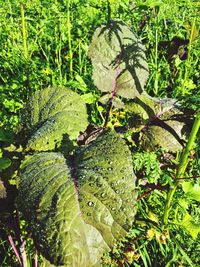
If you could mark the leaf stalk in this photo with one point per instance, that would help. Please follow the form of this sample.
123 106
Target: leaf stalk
182 166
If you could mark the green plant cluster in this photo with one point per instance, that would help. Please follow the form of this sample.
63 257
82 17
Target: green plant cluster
52 44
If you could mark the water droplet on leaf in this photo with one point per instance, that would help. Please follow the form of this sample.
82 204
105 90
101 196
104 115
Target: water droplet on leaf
90 203
103 194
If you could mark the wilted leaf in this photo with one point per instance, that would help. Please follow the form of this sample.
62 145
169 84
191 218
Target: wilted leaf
53 114
76 216
161 122
3 193
118 59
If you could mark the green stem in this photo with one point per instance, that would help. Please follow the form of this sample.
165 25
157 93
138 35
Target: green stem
188 61
109 11
24 37
69 39
156 64
182 166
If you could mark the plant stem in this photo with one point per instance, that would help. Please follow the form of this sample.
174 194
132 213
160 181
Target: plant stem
24 37
109 11
182 166
188 61
15 249
156 64
69 39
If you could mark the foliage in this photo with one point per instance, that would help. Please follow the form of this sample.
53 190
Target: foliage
63 210
45 44
148 163
118 58
52 114
159 122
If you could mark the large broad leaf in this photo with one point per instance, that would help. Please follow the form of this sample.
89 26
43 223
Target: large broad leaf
161 122
74 220
50 203
106 185
53 115
118 59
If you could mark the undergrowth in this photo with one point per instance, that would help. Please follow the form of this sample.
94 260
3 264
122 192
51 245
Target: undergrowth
45 43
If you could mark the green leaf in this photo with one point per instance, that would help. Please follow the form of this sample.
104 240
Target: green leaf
50 203
117 103
183 203
53 115
118 59
188 223
88 98
107 183
5 136
78 213
81 84
191 190
4 163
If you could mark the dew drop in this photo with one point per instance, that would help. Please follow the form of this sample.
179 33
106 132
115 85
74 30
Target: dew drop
110 169
103 194
117 191
113 209
90 203
88 214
